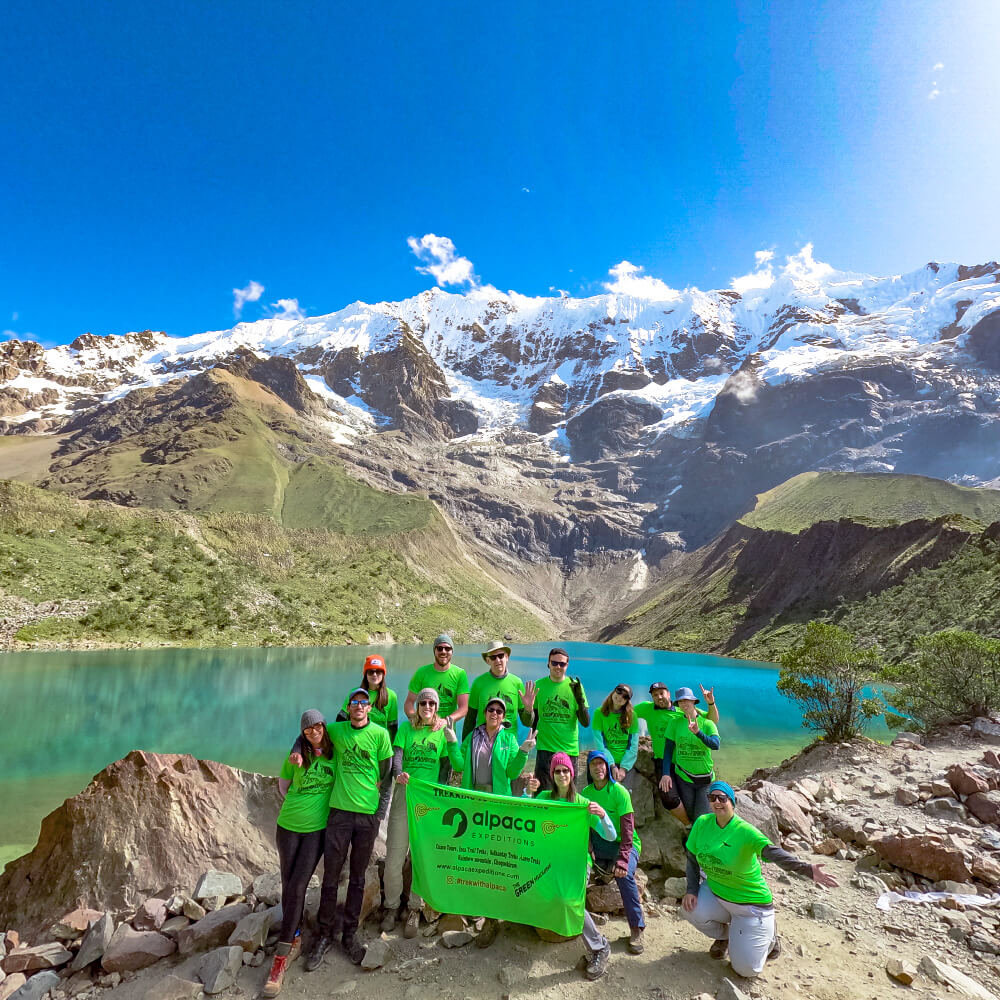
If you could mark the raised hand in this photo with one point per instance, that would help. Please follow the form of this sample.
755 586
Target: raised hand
449 730
529 743
533 784
528 698
693 725
708 695
823 878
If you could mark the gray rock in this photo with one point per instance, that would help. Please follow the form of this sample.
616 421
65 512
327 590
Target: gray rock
906 796
823 912
192 910
728 990
172 926
674 888
172 988
958 981
945 807
987 729
130 949
42 956
10 985
219 969
252 931
512 975
455 939
267 888
375 955
151 915
981 943
37 986
211 903
212 930
216 883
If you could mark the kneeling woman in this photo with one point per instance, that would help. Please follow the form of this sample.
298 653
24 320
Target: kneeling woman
300 835
734 904
563 790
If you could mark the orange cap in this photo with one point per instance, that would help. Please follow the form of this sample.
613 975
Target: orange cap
375 662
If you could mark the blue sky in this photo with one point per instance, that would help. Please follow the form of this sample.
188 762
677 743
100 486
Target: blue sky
159 156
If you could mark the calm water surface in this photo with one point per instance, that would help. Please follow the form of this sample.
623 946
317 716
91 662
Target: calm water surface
64 716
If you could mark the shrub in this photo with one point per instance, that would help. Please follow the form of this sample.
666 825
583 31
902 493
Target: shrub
954 674
826 673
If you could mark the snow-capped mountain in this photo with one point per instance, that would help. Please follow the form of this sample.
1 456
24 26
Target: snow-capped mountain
702 398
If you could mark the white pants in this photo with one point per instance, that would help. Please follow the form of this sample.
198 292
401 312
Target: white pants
750 929
397 844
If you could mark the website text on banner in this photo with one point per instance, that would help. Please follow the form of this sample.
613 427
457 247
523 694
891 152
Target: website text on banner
496 856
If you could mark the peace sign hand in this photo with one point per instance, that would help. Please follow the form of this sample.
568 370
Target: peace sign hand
529 743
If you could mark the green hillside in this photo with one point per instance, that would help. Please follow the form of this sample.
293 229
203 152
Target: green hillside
868 498
73 572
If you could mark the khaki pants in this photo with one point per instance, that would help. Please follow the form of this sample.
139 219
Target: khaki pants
396 847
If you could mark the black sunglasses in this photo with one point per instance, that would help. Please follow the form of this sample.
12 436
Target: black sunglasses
623 691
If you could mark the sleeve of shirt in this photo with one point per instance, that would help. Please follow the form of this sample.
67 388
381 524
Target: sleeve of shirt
414 686
473 696
517 761
605 829
287 770
785 861
384 746
693 868
454 752
400 740
463 682
631 750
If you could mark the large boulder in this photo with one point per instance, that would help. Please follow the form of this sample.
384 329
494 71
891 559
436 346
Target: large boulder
985 806
936 857
787 810
130 949
964 780
146 822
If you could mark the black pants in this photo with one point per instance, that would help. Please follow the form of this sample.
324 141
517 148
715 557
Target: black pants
346 832
298 856
543 758
671 799
444 771
694 795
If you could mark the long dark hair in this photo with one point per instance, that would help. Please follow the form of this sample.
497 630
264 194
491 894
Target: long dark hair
625 717
325 748
382 698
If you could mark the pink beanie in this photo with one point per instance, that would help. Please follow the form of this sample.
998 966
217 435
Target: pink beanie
561 760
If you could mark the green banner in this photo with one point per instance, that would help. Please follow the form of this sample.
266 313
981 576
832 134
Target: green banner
495 856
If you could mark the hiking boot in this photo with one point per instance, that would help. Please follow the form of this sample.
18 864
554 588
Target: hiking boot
719 948
488 934
635 944
278 968
319 948
597 964
412 925
389 921
354 949
775 949
296 949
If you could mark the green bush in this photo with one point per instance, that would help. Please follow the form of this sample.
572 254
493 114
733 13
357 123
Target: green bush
954 674
826 673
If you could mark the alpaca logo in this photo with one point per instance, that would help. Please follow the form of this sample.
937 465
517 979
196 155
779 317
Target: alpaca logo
548 827
421 809
455 815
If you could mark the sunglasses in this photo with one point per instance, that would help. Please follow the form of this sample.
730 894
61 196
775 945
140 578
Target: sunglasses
374 670
561 770
558 663
495 656
314 729
497 709
624 692
433 704
357 701
442 649
718 797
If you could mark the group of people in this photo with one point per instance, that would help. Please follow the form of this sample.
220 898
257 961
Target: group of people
341 779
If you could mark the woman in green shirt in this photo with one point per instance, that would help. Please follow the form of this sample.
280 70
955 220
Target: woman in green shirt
419 746
385 705
305 788
689 743
616 728
733 906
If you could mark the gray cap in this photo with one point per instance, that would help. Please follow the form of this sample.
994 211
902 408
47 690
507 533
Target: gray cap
429 694
360 690
686 694
311 717
443 640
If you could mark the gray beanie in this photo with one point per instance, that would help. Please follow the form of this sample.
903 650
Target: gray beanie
444 640
311 717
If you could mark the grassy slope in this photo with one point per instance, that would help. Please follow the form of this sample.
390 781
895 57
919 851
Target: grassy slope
877 499
695 610
166 576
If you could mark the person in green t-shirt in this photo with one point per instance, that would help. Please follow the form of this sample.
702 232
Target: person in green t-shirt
619 858
616 728
733 906
305 790
689 743
559 706
385 706
358 803
659 715
497 682
452 686
563 790
419 747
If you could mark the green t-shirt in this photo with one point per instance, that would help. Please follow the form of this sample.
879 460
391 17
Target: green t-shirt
730 858
307 803
423 749
617 803
486 686
690 754
658 722
358 752
615 738
380 716
558 729
449 684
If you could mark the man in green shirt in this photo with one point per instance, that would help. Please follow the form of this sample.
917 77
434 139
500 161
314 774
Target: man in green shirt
452 686
558 705
497 682
358 803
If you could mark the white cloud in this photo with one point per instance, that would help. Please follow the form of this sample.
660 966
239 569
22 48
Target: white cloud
934 94
288 309
937 66
9 333
241 296
629 280
442 263
526 190
762 276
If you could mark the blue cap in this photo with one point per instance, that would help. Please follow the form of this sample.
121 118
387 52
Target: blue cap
722 786
686 694
600 755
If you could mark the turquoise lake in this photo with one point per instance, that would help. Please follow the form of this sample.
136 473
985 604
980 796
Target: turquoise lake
64 716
